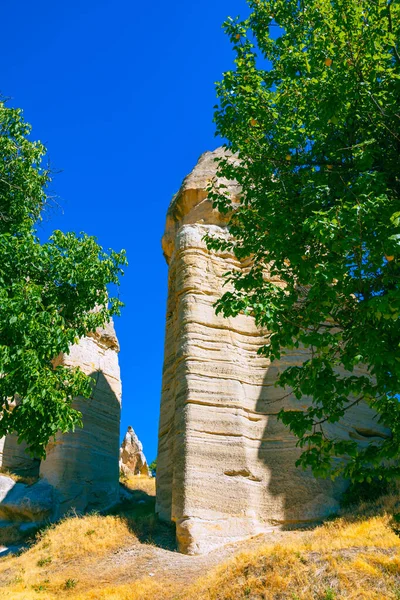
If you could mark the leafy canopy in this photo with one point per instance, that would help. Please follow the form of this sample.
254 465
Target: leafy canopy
51 295
312 112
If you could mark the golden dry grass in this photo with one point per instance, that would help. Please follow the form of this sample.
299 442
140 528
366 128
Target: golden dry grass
142 483
145 589
60 556
18 478
341 560
355 557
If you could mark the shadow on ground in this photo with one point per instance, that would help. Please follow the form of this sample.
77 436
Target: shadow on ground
140 516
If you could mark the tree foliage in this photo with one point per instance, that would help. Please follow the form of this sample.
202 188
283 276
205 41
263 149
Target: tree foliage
312 111
51 294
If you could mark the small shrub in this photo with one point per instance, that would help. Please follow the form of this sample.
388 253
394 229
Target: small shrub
70 584
43 561
301 558
366 492
395 524
329 594
90 532
39 587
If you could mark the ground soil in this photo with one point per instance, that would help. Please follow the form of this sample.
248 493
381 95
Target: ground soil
144 560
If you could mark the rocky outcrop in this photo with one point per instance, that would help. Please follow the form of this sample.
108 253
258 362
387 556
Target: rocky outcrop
25 503
132 461
82 466
23 508
80 471
226 465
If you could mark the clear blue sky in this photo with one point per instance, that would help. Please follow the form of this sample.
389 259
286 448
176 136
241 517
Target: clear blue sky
122 94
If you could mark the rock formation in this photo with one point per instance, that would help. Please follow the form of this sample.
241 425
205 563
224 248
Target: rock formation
23 508
132 461
226 465
14 457
81 467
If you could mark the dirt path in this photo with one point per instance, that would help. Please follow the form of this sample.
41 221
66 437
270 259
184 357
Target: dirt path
141 558
145 550
144 560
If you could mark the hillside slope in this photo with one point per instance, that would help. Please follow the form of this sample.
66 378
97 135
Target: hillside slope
130 556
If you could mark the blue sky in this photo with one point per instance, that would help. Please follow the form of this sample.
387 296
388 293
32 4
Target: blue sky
122 94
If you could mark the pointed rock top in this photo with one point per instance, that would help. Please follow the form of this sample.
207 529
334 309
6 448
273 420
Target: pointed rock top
191 205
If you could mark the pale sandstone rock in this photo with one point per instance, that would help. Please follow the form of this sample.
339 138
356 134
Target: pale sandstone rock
23 508
25 503
14 457
6 485
132 460
82 466
226 465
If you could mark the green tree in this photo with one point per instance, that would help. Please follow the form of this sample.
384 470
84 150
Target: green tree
311 111
51 295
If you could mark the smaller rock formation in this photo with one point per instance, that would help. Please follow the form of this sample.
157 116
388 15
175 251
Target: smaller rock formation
132 461
82 465
80 471
23 508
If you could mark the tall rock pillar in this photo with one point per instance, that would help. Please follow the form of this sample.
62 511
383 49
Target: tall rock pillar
83 465
226 465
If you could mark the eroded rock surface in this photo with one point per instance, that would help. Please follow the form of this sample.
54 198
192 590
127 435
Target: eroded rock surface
226 465
15 458
82 466
132 460
81 470
23 508
20 502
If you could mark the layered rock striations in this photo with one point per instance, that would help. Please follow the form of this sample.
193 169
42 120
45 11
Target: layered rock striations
80 472
226 465
132 460
15 458
82 465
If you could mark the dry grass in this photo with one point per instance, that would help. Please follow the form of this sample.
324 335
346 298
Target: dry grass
140 513
298 571
141 483
355 557
74 558
28 480
145 589
62 555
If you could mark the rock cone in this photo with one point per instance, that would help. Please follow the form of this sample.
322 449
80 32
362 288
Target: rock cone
132 461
